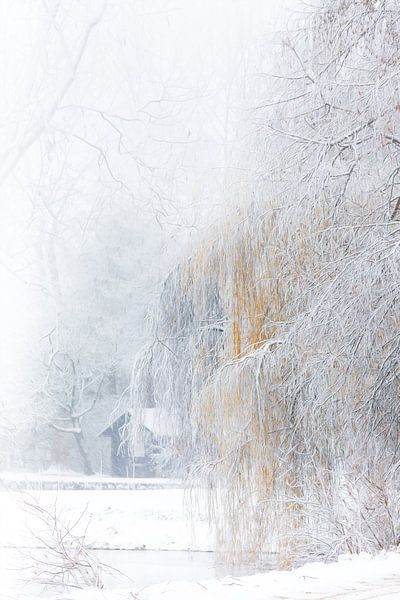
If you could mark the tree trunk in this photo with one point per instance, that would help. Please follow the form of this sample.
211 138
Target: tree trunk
87 466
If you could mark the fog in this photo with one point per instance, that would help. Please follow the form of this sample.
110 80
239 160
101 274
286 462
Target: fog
199 271
119 124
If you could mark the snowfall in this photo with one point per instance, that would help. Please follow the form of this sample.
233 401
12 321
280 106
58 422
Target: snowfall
146 548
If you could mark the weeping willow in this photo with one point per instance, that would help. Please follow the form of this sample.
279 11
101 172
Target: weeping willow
276 340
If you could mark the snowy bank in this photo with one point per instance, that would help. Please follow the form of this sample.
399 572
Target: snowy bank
359 577
155 519
135 519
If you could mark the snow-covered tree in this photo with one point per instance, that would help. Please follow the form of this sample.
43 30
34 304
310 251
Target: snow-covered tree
276 342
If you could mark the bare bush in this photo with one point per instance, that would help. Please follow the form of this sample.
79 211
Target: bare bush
63 558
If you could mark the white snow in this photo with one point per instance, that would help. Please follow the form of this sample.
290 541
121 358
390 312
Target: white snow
129 519
154 519
357 578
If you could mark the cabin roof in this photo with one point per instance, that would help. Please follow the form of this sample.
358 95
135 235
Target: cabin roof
155 420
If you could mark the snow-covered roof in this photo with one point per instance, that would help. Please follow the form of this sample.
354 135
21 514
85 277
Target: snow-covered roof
157 421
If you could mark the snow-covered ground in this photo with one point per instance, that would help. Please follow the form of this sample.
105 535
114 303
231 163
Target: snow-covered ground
135 519
357 578
154 520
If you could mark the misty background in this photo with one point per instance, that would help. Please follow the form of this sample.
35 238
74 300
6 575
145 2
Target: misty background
121 127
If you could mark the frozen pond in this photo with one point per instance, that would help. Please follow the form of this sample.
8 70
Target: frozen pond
145 567
154 566
133 568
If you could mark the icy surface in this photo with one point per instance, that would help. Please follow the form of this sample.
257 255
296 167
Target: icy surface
154 519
